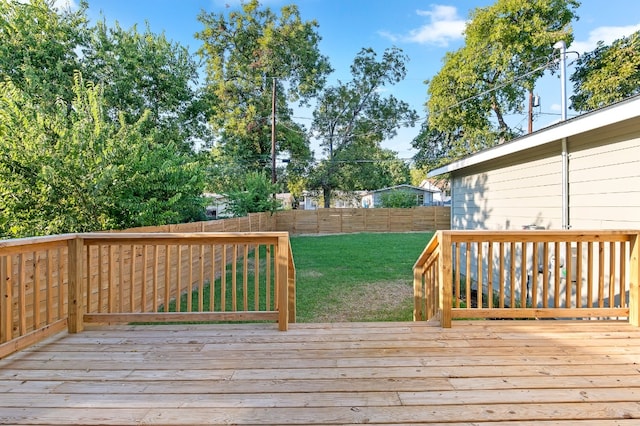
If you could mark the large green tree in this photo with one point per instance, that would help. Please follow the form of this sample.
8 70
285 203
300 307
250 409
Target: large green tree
607 74
507 47
144 72
71 171
247 53
39 48
352 119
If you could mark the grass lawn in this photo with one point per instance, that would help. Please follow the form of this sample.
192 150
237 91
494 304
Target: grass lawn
356 277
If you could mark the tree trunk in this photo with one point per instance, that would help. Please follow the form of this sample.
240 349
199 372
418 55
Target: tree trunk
326 194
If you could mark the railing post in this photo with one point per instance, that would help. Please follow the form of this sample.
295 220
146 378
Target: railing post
76 307
282 273
444 277
418 294
634 281
291 281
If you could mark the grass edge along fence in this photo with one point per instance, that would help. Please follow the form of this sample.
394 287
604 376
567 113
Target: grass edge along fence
63 282
529 274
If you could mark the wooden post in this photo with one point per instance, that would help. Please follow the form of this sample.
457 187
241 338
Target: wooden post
281 265
6 299
418 294
291 281
444 278
634 281
75 305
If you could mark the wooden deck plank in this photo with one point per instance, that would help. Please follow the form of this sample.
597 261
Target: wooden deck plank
514 372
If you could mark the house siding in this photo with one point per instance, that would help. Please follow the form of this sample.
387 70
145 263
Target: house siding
604 179
500 194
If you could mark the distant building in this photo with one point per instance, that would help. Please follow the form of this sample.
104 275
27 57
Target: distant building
424 196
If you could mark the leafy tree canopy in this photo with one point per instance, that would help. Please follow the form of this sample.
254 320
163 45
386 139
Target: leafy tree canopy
253 195
247 52
508 46
38 52
353 118
607 74
398 198
145 72
72 172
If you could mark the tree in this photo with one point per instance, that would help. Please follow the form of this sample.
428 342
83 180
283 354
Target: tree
248 53
39 48
398 199
142 72
607 74
352 119
253 195
69 170
508 46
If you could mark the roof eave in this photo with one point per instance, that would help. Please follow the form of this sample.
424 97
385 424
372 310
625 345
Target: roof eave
584 123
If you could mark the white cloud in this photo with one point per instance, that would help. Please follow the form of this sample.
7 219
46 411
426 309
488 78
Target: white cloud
605 34
444 26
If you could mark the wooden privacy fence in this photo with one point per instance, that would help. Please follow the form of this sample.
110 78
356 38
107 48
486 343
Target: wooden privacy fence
528 274
52 283
331 221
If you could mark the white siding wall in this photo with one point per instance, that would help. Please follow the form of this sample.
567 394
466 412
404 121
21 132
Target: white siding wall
604 180
509 195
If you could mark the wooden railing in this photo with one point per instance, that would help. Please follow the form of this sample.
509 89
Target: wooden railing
528 274
51 283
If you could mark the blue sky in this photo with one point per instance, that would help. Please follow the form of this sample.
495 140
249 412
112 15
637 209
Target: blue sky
425 30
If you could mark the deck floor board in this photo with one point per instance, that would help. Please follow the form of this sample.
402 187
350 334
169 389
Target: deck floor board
476 373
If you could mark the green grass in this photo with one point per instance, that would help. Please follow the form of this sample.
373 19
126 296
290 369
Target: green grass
340 278
356 277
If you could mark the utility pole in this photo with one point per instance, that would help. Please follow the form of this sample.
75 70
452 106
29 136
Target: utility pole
273 132
530 111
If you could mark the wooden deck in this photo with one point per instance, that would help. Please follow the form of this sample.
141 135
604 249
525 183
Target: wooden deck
529 372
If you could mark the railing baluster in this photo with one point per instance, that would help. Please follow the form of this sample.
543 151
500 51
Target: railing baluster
512 276
245 278
49 287
212 280
590 267
502 276
579 274
132 278
479 266
268 278
523 276
154 291
622 289
223 280
490 275
457 282
535 267
567 275
22 293
179 278
556 275
612 274
467 272
36 291
256 277
545 276
201 283
167 277
600 274
234 279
